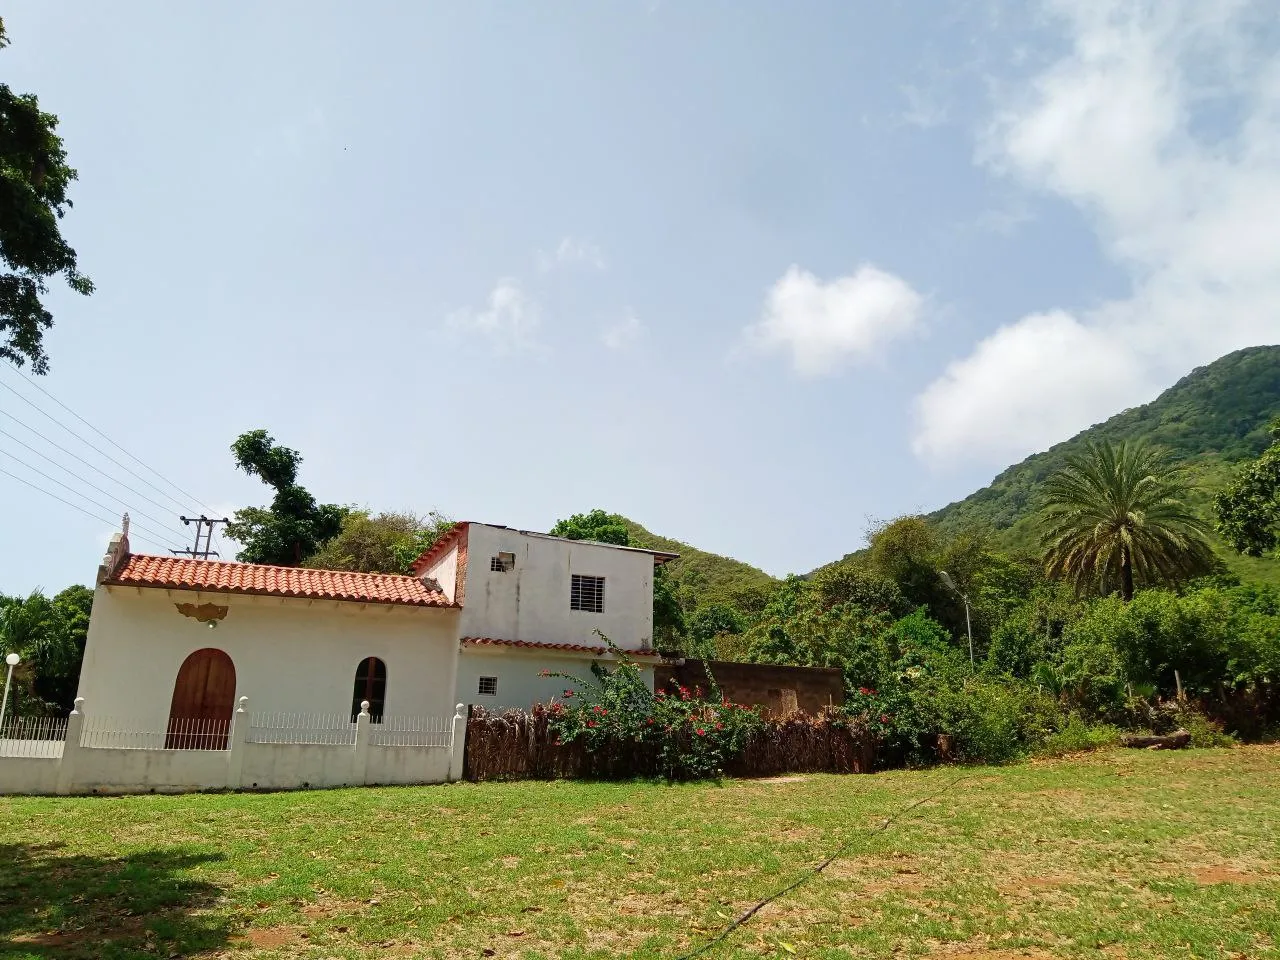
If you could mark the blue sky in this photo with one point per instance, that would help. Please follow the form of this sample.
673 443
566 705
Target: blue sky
752 274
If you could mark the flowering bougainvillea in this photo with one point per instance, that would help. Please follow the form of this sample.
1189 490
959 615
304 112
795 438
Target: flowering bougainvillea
693 735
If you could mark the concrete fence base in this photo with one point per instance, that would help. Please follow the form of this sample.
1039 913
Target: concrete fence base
242 765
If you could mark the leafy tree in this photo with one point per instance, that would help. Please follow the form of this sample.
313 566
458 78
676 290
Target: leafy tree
853 581
294 526
1248 511
34 177
1116 516
596 525
385 543
712 621
49 634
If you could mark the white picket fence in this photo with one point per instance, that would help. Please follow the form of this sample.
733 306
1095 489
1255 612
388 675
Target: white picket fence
89 754
33 737
411 732
115 733
332 729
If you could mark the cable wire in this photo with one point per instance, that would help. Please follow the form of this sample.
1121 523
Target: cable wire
191 498
91 466
91 446
73 506
814 871
133 511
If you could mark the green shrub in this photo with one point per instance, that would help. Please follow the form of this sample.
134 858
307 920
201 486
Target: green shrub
1077 736
693 736
1204 731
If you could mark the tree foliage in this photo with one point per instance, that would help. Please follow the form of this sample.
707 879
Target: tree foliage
49 634
1248 511
1116 516
294 526
381 543
34 178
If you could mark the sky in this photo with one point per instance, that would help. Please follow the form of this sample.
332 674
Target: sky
754 275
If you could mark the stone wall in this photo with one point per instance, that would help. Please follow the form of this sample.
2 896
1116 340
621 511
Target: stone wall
778 689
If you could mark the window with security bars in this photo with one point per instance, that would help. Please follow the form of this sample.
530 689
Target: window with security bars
502 563
488 687
586 593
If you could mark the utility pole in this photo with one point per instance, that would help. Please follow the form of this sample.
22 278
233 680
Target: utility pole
968 626
204 534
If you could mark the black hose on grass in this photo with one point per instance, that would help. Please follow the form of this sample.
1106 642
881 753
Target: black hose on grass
810 874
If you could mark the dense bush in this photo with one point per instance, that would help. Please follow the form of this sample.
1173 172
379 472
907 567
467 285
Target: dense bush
693 735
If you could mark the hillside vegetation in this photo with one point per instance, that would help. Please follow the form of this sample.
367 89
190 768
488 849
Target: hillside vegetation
703 578
1209 421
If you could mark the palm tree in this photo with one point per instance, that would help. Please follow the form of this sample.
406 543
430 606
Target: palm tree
1115 515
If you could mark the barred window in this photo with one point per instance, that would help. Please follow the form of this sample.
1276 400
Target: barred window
586 593
488 687
502 563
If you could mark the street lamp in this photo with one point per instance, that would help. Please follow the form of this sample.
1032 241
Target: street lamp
12 660
951 585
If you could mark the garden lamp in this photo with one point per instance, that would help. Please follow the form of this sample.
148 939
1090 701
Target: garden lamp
951 585
12 660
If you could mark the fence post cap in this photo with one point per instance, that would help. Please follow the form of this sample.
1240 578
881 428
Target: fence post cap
364 708
459 711
77 709
243 702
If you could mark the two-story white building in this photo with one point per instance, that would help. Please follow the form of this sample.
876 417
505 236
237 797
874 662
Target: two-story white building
482 615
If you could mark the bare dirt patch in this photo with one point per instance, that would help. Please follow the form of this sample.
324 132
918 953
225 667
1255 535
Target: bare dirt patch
271 938
1209 876
788 778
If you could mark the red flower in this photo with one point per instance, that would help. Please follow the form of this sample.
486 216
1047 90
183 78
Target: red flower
568 693
597 708
544 673
660 694
649 721
700 732
725 702
719 726
684 693
884 718
865 691
591 723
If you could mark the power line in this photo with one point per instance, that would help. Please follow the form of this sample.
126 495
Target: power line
33 382
91 466
73 506
91 446
123 503
814 871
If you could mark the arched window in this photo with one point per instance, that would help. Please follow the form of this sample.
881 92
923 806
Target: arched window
371 685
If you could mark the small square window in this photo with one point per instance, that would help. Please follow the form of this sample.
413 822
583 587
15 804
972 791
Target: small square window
586 593
502 563
488 687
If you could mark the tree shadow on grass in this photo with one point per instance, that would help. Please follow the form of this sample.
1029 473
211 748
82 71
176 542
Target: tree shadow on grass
72 906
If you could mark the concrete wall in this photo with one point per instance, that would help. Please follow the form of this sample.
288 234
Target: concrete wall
776 688
243 765
290 655
519 685
531 602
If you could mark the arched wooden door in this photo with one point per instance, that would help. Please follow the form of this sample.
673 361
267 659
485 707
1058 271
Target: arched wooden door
203 699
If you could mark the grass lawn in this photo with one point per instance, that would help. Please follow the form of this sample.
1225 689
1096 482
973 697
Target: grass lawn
1118 854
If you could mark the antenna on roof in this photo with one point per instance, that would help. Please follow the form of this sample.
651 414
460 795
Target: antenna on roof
204 532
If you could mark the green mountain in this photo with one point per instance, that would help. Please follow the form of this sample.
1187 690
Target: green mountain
703 578
1209 421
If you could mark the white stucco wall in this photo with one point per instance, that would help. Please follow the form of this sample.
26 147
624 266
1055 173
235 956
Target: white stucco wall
445 572
290 655
531 602
519 685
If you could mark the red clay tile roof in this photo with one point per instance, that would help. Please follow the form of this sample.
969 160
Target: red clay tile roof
568 647
182 573
439 548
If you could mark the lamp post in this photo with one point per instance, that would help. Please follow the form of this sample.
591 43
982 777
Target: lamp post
951 585
12 660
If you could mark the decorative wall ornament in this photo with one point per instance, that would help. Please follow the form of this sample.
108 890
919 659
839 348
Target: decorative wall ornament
208 613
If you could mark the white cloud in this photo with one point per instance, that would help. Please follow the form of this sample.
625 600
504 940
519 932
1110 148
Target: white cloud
624 334
510 322
570 252
1162 125
826 325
